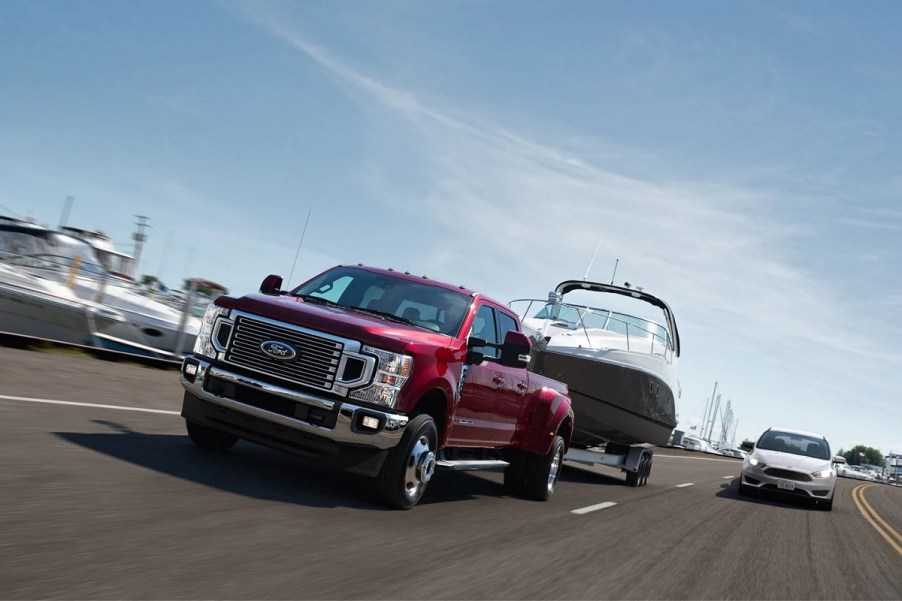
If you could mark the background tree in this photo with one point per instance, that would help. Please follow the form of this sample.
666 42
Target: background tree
151 281
871 455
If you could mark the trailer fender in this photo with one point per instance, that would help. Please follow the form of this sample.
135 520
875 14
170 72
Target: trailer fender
551 415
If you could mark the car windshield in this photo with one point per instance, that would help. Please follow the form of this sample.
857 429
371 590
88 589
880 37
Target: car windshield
795 444
418 303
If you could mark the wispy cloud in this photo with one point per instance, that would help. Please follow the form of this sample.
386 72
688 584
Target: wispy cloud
515 216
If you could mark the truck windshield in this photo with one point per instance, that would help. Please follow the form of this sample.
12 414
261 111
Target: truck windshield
419 303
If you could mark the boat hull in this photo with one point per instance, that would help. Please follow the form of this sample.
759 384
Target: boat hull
43 316
612 401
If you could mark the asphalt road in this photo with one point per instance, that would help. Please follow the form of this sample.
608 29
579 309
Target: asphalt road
109 503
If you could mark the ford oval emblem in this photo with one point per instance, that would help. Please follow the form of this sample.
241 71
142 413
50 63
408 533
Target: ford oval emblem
278 350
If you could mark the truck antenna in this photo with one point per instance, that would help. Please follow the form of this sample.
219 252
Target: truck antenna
299 246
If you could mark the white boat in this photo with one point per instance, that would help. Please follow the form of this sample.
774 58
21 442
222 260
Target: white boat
36 306
70 263
616 348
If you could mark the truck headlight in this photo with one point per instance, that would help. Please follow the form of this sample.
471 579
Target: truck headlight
391 373
203 345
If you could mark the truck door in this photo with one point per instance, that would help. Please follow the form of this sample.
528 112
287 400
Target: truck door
483 416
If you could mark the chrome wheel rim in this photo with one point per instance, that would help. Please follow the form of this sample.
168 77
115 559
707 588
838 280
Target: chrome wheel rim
554 470
420 467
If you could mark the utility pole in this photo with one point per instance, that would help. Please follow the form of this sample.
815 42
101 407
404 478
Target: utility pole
139 237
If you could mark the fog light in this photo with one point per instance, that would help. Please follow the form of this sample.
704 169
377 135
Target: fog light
190 369
370 422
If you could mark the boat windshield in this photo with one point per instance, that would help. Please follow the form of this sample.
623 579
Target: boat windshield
48 251
603 319
418 303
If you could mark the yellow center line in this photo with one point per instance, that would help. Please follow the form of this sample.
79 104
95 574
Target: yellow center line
874 519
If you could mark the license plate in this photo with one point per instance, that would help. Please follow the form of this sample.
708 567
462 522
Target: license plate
786 485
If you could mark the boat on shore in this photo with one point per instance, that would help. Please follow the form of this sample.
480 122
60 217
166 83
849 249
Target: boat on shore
40 260
616 348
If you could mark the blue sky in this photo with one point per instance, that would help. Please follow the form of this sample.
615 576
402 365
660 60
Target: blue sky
740 159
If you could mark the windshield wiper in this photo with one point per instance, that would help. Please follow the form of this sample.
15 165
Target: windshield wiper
320 300
383 314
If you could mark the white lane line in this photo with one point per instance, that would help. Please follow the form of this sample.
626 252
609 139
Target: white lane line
657 455
96 405
728 477
685 485
592 508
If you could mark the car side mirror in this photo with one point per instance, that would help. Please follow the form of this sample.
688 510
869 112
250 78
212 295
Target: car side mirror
271 285
515 350
839 459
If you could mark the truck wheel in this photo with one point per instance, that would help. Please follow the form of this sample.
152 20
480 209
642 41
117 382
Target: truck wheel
410 465
541 472
513 473
210 438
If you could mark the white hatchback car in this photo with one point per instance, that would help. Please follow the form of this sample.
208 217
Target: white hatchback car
790 462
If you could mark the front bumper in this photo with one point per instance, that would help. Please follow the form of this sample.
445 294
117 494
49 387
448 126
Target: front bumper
284 418
790 484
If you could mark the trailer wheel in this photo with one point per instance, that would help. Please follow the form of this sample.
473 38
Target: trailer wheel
540 472
210 438
410 465
646 469
640 476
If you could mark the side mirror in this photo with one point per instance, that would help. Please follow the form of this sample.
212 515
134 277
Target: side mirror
475 357
271 285
515 350
839 459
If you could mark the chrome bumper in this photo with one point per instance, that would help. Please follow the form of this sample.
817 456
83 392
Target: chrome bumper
348 429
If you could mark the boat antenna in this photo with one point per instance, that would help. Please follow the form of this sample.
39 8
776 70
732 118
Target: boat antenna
67 206
616 263
290 275
597 246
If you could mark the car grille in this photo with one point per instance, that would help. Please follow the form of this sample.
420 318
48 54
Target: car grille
787 474
316 362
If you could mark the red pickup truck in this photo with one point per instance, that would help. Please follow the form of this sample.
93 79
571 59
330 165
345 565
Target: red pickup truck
380 373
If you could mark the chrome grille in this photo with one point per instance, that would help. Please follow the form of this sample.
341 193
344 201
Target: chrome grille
787 474
316 362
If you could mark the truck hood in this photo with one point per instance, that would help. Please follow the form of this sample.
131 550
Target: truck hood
382 333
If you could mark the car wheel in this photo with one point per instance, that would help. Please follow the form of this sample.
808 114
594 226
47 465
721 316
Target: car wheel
541 472
744 489
410 465
210 438
825 505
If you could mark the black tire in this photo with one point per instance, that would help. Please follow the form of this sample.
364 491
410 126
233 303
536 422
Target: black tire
410 465
638 477
744 490
513 473
541 472
825 505
210 438
646 469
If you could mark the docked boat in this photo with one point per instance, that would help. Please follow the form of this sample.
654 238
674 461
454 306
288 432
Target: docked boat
68 263
36 306
616 348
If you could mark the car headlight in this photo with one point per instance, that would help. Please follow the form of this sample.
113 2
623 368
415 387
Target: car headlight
823 473
757 462
203 345
391 374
